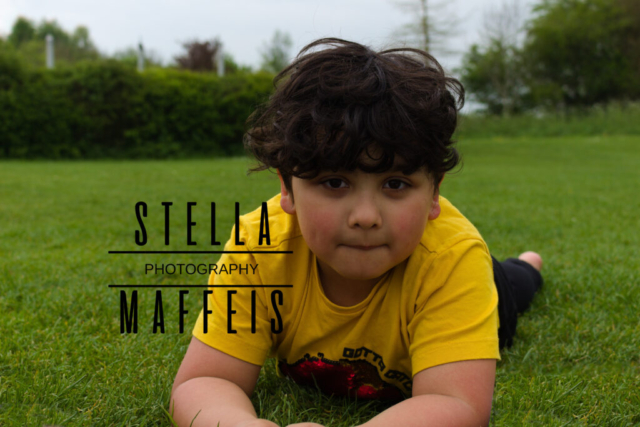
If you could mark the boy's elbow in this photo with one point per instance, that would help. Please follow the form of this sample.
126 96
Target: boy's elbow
468 415
175 389
483 417
478 415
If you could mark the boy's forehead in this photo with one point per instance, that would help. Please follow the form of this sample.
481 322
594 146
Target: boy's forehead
371 158
370 161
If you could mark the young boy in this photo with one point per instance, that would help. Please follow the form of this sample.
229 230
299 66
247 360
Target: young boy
379 288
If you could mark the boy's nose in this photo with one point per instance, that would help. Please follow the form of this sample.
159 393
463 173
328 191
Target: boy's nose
365 214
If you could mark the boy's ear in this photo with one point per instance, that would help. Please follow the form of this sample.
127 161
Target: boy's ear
435 203
286 198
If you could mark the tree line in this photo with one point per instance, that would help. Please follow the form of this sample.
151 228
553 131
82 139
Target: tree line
26 42
570 55
93 105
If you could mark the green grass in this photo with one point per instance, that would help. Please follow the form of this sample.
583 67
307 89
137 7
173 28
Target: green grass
64 362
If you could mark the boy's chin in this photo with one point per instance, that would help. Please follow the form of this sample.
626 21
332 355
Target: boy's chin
358 269
363 274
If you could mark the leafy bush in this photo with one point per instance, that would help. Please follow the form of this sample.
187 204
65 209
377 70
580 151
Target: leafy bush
105 109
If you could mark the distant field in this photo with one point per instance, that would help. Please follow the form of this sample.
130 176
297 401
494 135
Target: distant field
64 362
607 120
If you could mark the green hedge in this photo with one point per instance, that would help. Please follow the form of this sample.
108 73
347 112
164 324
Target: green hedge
105 109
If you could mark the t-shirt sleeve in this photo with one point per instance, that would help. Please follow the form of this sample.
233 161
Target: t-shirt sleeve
238 322
456 314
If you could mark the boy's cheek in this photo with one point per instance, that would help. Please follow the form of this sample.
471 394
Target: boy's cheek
409 226
413 216
317 225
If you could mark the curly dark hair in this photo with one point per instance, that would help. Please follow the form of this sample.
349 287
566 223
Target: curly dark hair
334 104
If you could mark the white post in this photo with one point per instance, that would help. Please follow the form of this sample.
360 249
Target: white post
220 61
140 57
49 55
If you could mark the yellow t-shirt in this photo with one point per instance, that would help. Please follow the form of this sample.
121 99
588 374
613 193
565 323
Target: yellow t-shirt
438 306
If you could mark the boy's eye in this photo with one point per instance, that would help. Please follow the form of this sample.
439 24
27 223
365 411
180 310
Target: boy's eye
396 184
335 183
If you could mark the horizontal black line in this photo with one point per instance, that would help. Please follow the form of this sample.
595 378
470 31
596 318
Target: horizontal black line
200 252
201 286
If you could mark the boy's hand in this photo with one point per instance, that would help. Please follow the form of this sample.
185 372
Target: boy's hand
305 425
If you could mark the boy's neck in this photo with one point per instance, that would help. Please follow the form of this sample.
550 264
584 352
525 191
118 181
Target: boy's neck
342 291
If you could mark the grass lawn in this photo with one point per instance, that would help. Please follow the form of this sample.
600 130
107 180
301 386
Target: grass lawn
64 362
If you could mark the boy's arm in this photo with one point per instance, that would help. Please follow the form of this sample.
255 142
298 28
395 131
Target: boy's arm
453 394
213 387
454 343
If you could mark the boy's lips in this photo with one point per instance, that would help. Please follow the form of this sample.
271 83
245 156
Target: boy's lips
364 247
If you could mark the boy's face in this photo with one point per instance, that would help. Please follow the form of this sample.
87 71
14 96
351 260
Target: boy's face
360 225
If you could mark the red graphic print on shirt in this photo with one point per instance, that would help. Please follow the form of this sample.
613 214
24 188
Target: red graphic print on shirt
354 378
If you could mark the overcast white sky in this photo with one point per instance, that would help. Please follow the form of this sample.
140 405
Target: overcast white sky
242 25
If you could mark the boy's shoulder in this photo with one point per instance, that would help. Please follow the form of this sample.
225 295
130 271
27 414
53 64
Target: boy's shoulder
450 228
280 228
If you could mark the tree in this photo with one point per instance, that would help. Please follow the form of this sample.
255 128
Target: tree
22 31
578 52
276 54
631 42
232 67
493 73
29 41
129 56
81 39
431 27
52 27
504 23
199 56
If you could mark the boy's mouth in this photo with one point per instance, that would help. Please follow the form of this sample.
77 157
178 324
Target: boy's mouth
364 247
